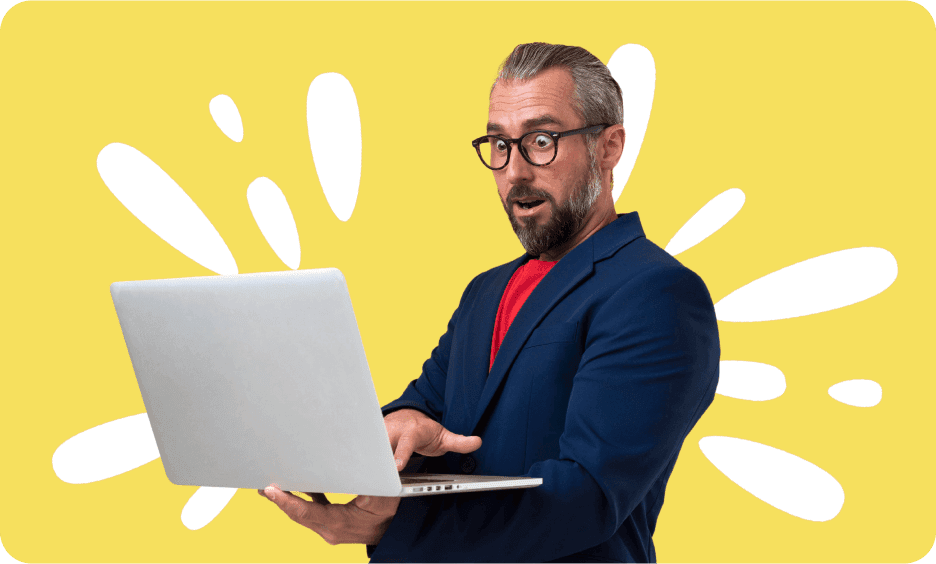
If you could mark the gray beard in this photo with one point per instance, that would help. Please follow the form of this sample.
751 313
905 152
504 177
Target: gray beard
564 222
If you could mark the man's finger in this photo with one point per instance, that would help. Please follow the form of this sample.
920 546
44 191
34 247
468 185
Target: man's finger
404 450
376 505
318 498
452 442
394 438
299 510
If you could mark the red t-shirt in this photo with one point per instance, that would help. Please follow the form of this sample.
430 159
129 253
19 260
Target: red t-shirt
518 290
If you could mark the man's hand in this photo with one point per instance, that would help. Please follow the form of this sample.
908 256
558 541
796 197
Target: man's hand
362 520
412 430
366 518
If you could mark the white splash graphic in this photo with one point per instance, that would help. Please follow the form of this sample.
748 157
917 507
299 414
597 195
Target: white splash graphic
106 450
753 381
778 478
224 112
859 393
204 505
335 139
709 219
633 68
275 220
156 200
816 285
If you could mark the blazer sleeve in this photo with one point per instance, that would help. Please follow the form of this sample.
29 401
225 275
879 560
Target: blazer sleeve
648 371
427 393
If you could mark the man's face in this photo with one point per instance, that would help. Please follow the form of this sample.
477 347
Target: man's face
546 205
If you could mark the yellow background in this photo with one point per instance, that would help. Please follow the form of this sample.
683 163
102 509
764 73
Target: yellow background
822 113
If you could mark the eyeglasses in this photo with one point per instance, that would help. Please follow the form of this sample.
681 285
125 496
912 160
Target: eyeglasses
538 147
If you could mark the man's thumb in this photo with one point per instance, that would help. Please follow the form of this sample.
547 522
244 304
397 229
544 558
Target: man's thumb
459 443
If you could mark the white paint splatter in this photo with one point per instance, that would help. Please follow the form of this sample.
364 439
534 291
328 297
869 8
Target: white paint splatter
819 284
783 480
275 220
633 68
752 381
156 200
709 219
204 505
335 139
106 450
224 112
859 393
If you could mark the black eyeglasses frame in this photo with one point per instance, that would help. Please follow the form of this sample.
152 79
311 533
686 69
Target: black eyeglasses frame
555 137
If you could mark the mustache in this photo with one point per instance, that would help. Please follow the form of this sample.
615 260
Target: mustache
521 191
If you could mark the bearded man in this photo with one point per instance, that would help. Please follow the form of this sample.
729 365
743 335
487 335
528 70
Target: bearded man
585 362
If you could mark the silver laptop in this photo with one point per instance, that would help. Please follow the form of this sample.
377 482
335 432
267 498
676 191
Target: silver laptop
258 379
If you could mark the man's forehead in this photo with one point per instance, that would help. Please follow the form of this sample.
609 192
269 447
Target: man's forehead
543 100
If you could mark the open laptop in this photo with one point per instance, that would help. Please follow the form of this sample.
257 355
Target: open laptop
258 379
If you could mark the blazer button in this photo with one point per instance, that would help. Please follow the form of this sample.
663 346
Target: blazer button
468 464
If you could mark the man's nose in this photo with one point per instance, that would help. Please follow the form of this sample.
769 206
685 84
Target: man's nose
518 170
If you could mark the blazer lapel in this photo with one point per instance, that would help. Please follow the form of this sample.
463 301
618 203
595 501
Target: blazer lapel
567 274
482 317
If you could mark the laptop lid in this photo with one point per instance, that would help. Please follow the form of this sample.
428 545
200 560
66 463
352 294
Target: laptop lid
255 379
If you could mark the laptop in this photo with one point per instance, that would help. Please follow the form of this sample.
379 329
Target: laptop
258 379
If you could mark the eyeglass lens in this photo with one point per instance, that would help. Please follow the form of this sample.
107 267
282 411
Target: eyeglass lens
539 148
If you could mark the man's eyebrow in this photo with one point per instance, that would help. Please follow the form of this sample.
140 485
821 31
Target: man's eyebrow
528 124
542 120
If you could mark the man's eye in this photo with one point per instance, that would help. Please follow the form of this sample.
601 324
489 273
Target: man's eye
500 145
542 141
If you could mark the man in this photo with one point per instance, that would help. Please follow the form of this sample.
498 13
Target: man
610 358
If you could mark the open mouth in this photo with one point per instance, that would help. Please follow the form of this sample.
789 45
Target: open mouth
529 204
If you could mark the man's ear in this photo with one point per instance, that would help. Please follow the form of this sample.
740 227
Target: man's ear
612 146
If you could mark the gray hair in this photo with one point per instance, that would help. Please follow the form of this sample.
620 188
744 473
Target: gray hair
596 95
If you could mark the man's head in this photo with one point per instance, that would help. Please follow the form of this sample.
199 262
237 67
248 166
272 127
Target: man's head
555 88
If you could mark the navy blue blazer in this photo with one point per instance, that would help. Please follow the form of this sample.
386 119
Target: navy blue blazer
604 371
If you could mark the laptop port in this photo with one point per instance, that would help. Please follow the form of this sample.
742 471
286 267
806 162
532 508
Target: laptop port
448 487
438 488
417 489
